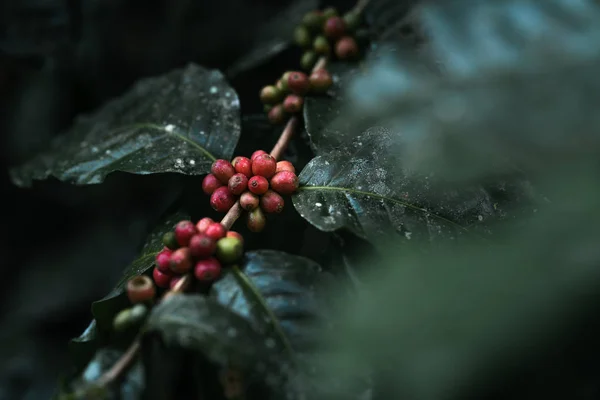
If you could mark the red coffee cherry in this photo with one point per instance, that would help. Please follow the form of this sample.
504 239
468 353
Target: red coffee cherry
215 231
285 166
184 231
203 224
320 81
243 165
277 114
163 260
264 165
284 182
298 83
249 201
222 199
208 270
223 170
346 48
161 279
202 246
210 183
238 183
181 260
271 202
293 104
256 154
334 27
140 289
258 185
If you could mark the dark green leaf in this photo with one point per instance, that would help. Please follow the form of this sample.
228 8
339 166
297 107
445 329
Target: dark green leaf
83 347
362 187
178 122
275 36
105 309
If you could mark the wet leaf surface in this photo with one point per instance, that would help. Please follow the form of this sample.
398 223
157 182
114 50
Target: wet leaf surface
82 348
178 122
362 187
105 309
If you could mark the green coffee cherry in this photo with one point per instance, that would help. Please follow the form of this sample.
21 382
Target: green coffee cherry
283 83
352 20
313 21
170 241
329 12
321 46
308 60
270 95
302 37
130 317
229 249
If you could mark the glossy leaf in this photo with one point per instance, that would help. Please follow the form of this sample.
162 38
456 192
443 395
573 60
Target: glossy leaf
275 36
82 348
105 309
178 122
362 187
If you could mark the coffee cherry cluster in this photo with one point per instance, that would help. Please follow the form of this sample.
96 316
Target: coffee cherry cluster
286 97
203 248
257 182
325 33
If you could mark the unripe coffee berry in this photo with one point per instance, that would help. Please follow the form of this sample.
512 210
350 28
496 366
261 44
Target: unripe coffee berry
277 115
352 21
271 202
170 240
223 170
313 20
302 37
308 60
258 185
203 224
334 28
216 231
320 81
293 104
161 279
130 317
285 166
256 154
163 260
238 183
346 48
284 182
321 46
242 165
207 270
229 250
181 260
236 235
270 95
284 81
298 83
282 87
140 289
249 201
202 246
264 165
210 183
222 199
255 220
184 231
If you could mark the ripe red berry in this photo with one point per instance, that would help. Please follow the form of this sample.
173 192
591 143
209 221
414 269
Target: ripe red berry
181 260
334 27
161 279
215 231
258 184
298 82
255 220
346 48
223 170
293 104
203 224
271 202
249 201
207 270
210 183
284 182
320 81
243 165
140 289
174 281
222 199
184 231
236 235
163 260
238 183
202 246
257 153
285 166
277 114
264 165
